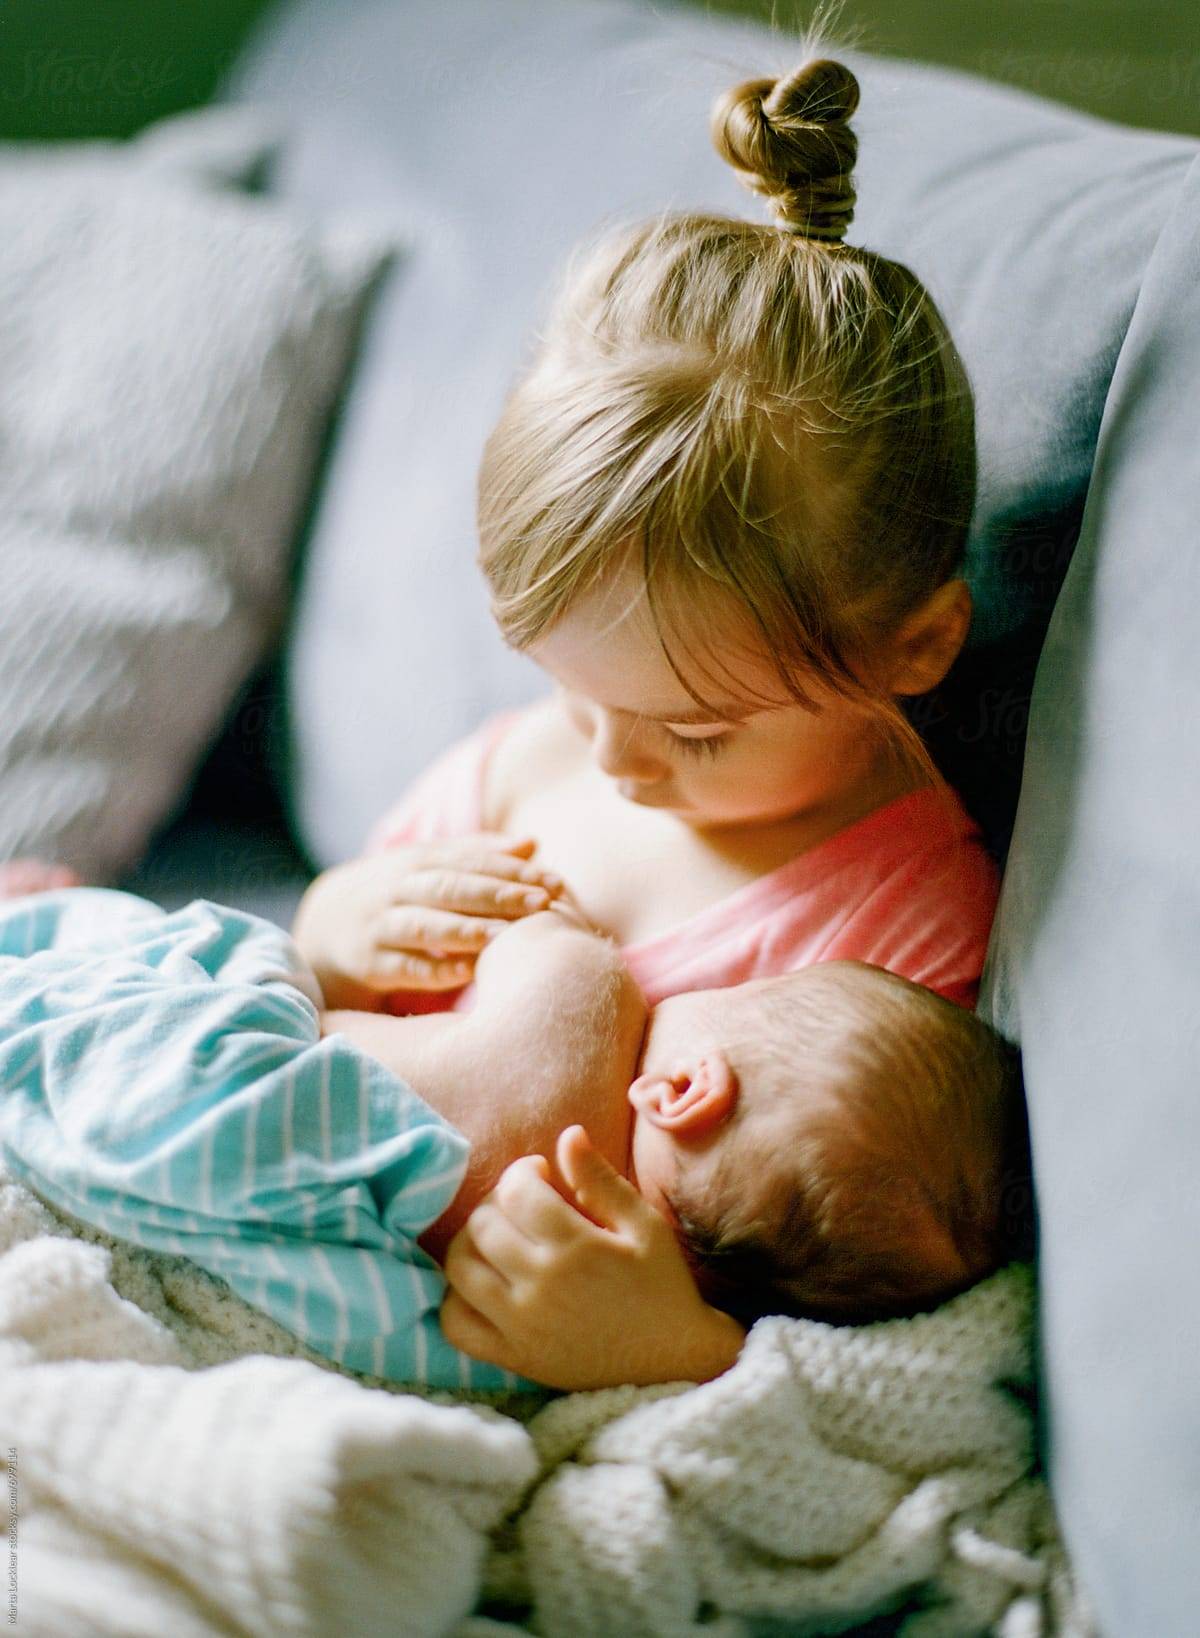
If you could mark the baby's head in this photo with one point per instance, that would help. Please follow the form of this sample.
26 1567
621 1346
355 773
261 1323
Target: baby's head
838 1142
761 441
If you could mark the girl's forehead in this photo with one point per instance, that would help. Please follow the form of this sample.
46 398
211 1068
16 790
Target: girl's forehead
608 646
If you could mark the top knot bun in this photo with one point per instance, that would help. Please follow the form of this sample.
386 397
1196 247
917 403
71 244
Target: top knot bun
790 140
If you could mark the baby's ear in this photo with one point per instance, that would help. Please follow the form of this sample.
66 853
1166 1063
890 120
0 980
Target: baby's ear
930 640
695 1099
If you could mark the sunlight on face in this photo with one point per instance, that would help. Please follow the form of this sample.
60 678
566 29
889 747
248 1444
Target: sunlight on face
748 764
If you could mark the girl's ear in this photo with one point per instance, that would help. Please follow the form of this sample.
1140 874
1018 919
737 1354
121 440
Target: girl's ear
930 639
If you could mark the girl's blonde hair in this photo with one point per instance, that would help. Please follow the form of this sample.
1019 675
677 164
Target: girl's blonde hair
779 423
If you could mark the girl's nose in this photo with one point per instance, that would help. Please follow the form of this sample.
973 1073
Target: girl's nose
618 747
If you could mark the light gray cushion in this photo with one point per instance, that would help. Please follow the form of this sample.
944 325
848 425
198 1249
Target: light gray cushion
495 133
170 351
1095 965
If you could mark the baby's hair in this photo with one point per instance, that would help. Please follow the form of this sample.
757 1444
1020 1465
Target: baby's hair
778 423
907 1180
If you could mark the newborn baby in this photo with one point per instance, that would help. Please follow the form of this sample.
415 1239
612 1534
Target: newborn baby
833 1142
830 1142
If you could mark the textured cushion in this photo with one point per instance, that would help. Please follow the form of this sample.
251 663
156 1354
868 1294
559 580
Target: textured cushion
1096 967
169 353
496 132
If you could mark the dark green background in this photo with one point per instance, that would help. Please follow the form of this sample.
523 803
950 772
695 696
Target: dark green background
80 68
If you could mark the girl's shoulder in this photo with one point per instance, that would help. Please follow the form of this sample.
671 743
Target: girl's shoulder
531 750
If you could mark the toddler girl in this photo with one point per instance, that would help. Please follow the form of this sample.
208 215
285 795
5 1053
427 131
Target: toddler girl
725 511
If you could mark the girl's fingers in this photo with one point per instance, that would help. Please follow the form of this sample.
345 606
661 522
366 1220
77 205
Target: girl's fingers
487 854
511 870
421 931
514 870
472 894
400 970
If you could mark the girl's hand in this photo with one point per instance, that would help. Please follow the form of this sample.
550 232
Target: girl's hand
415 918
586 1289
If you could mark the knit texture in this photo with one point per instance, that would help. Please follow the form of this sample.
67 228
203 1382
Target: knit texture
177 1471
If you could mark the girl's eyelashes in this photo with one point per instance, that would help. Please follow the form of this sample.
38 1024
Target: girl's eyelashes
699 747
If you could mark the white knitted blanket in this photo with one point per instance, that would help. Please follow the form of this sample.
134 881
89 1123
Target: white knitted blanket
176 1472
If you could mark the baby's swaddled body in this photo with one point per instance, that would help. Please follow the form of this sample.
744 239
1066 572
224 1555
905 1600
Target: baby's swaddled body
165 1080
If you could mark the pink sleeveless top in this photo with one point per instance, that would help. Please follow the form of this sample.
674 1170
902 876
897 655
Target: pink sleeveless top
910 888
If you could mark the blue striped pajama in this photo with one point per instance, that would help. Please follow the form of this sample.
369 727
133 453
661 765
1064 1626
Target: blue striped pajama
162 1078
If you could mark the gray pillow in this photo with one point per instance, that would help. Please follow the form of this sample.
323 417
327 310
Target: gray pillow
170 351
1095 967
496 132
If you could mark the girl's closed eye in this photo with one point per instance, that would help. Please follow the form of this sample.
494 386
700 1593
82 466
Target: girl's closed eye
711 746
